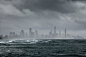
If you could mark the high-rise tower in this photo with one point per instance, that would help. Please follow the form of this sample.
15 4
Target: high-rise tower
65 32
59 34
12 34
54 31
31 34
50 33
36 34
22 33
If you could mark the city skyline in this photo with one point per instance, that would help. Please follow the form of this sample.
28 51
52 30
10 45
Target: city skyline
51 30
42 28
43 15
52 34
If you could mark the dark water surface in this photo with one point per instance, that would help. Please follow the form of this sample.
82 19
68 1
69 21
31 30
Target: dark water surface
43 48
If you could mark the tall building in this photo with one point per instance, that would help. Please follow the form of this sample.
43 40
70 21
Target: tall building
31 34
54 31
36 34
12 34
42 36
59 34
50 33
65 32
22 33
26 35
30 30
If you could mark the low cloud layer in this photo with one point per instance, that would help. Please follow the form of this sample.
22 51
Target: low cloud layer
16 15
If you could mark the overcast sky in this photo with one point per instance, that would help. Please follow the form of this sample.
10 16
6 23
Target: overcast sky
43 15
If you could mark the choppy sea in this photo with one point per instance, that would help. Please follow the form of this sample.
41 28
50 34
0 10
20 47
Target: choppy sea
43 48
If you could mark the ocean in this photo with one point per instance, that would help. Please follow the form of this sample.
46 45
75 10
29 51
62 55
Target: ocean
43 48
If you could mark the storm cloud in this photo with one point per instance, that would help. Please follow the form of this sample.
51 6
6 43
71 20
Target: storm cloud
42 5
43 15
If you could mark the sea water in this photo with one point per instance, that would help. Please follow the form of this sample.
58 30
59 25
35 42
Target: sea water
43 48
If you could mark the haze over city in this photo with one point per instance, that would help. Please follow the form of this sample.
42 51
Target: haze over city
43 15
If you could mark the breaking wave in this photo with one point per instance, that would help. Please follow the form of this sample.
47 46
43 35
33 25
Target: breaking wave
42 48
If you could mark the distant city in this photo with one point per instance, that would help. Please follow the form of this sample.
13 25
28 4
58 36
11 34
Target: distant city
36 35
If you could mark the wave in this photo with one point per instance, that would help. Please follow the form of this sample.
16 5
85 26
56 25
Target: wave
41 55
31 41
42 48
68 55
40 41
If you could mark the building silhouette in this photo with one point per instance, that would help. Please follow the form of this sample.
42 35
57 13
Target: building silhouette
26 35
12 34
36 34
65 32
22 33
31 34
59 34
50 33
55 32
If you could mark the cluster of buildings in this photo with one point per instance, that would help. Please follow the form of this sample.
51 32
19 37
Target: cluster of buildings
52 34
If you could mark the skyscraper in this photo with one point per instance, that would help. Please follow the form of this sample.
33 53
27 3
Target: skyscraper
36 34
50 33
31 34
26 35
59 34
12 34
65 32
30 30
54 31
22 33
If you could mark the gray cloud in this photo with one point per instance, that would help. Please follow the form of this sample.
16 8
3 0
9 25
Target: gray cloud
16 15
76 0
62 6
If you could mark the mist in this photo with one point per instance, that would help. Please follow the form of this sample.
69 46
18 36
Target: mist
43 15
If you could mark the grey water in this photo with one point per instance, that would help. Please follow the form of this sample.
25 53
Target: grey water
43 48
